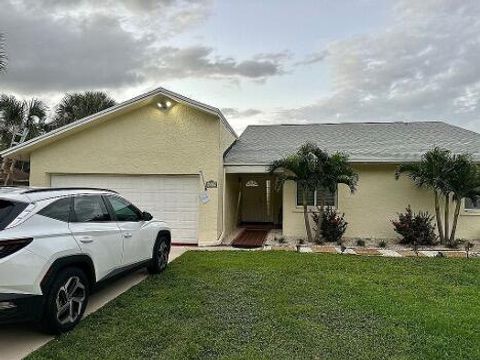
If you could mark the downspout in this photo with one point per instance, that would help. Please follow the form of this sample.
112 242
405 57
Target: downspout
222 234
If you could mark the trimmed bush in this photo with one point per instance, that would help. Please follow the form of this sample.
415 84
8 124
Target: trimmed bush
360 242
415 229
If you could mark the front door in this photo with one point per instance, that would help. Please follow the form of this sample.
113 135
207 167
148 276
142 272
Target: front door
256 199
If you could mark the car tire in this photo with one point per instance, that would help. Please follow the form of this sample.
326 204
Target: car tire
161 250
66 301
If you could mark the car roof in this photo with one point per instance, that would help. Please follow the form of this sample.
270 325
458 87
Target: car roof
33 194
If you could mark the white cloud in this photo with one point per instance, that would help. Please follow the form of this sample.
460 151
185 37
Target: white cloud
425 65
88 44
233 113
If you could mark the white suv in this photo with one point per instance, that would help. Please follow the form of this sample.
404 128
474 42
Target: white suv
58 244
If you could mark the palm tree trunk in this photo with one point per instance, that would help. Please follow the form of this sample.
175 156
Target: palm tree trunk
455 220
437 216
305 216
447 216
321 210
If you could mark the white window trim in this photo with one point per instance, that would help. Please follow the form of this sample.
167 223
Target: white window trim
314 206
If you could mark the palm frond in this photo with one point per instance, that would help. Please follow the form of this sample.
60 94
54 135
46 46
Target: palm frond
312 168
76 106
3 54
16 114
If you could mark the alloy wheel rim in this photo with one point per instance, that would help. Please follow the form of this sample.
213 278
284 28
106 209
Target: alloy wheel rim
162 255
70 299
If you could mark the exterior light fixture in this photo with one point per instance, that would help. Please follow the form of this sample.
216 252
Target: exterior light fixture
164 105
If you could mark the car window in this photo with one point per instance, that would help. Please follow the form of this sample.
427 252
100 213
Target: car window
89 208
58 210
9 210
124 210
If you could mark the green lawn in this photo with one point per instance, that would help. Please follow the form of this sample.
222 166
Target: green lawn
282 305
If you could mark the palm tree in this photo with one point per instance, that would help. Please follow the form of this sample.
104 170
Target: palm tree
429 174
79 105
3 54
16 115
312 168
450 177
463 183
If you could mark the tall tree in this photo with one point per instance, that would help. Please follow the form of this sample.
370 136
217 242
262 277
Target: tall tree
463 183
16 115
452 178
79 105
312 168
428 174
3 54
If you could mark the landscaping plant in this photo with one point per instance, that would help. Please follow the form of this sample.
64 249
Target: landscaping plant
332 225
452 178
415 229
76 106
16 115
361 242
3 54
468 247
312 168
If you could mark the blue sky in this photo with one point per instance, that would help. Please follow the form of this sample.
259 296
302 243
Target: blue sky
259 61
242 28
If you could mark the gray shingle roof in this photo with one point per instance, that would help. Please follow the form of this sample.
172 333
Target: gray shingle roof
364 142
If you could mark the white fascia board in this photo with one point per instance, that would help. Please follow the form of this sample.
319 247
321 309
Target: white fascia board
159 91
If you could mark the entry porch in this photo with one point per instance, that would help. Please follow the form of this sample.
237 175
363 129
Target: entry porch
253 208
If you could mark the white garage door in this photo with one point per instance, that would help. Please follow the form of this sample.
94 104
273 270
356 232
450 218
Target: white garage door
173 199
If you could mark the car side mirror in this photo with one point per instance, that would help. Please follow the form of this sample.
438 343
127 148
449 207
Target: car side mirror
146 216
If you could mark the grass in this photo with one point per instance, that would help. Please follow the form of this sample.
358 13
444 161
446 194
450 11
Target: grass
282 305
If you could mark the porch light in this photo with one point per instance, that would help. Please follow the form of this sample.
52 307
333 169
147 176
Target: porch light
164 105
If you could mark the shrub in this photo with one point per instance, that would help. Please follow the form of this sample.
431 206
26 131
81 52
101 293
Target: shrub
415 229
329 225
455 244
468 247
360 242
281 240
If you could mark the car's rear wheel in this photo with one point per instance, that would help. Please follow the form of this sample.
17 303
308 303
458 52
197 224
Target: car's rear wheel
161 251
66 301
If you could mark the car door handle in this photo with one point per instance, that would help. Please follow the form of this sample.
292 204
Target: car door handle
127 235
86 239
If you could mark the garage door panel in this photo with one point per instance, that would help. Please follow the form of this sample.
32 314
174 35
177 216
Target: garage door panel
173 199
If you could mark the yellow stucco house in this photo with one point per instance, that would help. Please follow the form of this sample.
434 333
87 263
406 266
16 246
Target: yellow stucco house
182 161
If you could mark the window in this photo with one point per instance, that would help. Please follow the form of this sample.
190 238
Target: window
123 210
58 210
9 210
314 197
470 205
90 209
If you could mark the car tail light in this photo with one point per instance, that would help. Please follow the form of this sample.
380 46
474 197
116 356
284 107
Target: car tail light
8 247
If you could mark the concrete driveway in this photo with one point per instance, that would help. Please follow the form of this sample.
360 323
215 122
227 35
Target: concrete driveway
17 341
